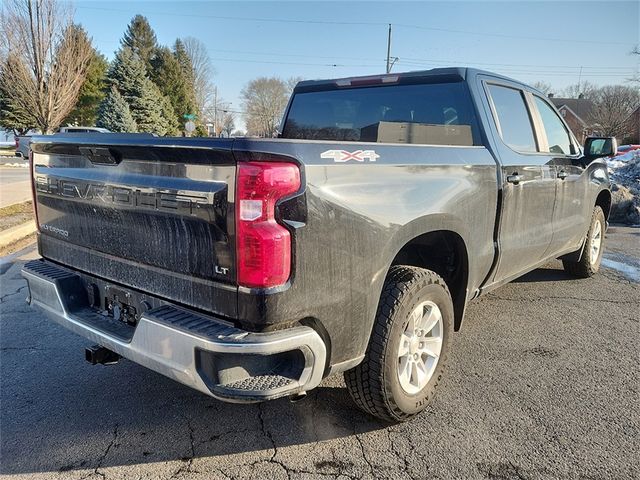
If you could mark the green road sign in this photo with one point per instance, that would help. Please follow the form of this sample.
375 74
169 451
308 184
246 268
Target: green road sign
190 116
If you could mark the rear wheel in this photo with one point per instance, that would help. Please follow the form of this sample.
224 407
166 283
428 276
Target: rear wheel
408 348
591 255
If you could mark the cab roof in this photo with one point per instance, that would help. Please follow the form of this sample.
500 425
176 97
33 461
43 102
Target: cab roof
434 75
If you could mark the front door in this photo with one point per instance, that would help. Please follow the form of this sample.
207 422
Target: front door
572 212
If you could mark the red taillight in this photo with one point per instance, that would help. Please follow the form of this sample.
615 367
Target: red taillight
33 189
263 245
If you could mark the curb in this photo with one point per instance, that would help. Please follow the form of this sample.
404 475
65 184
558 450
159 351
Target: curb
16 233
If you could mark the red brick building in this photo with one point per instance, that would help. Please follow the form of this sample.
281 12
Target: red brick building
634 127
577 112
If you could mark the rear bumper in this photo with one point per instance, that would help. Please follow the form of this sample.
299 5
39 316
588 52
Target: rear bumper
199 351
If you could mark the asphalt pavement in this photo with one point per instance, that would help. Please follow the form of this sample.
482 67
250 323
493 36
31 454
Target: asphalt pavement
14 185
543 383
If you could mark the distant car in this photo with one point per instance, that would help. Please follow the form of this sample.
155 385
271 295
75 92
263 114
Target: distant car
23 142
627 148
82 130
22 146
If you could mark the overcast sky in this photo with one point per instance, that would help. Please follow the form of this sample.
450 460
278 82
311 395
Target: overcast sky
531 41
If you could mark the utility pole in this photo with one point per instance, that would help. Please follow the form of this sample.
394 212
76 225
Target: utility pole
215 111
389 50
579 82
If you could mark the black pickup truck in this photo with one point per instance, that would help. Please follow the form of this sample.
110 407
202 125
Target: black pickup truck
251 269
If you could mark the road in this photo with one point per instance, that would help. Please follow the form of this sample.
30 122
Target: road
543 384
14 185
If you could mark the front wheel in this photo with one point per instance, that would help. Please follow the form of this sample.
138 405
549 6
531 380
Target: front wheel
591 255
408 348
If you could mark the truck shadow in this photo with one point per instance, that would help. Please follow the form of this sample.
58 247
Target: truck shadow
548 273
88 424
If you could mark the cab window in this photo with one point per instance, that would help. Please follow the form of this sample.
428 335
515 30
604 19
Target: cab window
557 135
430 113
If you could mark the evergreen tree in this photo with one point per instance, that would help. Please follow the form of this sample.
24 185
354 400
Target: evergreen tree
174 81
200 131
127 75
146 105
168 113
114 113
141 39
189 101
126 69
13 115
92 92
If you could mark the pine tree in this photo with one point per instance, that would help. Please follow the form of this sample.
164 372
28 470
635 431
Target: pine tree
146 105
189 100
92 92
114 113
14 116
141 39
126 72
127 75
174 81
168 113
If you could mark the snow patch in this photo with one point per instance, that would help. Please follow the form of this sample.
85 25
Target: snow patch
624 170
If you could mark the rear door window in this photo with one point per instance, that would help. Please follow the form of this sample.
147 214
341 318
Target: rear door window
514 122
436 114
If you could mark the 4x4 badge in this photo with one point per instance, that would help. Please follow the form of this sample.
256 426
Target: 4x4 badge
341 156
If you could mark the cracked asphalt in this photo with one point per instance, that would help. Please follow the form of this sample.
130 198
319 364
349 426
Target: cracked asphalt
543 382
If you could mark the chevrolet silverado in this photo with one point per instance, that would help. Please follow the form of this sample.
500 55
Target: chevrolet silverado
251 269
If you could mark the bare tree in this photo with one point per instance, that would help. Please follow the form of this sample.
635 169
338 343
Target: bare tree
49 55
613 105
228 123
636 77
586 89
544 87
203 73
292 82
264 100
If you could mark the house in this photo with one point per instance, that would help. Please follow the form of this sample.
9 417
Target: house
577 112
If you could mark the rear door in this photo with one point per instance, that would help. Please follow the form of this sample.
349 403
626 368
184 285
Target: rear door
528 182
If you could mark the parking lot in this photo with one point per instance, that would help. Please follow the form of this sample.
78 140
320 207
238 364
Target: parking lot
543 383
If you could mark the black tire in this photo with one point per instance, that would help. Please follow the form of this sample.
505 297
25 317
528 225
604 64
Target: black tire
587 267
374 384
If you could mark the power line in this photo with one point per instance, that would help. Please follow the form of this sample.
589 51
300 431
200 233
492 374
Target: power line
404 60
505 35
535 72
334 22
448 62
275 62
243 19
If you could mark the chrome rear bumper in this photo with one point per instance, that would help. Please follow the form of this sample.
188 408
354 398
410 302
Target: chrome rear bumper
199 351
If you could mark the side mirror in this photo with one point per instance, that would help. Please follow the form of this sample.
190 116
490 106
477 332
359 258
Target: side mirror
598 147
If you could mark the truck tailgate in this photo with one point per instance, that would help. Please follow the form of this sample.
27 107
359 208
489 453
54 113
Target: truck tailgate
155 214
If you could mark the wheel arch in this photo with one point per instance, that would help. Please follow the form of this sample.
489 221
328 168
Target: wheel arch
603 200
437 243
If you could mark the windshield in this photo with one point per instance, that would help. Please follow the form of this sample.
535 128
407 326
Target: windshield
435 114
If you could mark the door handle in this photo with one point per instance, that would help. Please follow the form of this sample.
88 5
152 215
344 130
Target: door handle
562 174
515 178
